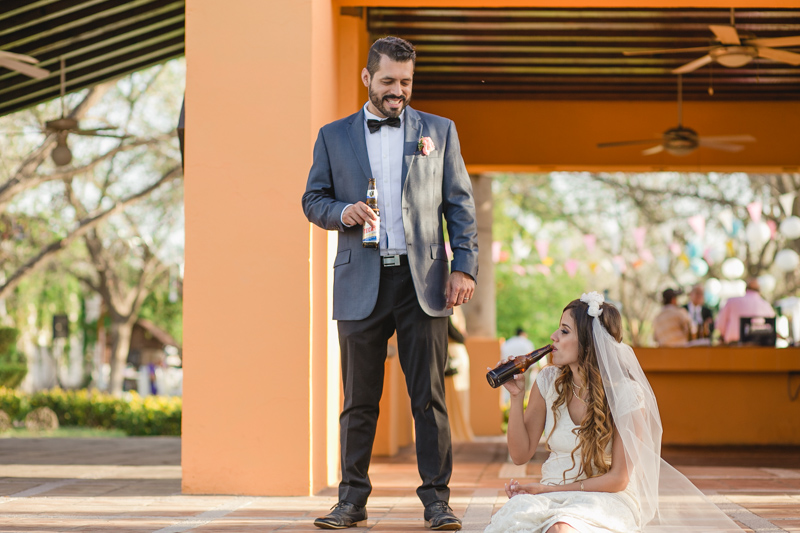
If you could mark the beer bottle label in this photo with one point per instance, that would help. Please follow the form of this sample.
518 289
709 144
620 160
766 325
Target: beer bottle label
371 232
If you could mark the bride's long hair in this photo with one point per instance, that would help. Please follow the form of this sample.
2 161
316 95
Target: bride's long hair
596 430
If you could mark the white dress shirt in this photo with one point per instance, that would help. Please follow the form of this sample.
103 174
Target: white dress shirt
385 150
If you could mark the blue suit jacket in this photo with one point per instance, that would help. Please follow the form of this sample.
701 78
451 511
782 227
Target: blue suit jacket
433 186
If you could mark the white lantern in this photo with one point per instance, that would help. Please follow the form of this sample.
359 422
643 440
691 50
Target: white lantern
713 286
733 268
790 228
767 282
787 260
757 233
716 254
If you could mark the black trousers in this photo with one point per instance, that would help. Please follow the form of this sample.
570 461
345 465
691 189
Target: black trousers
422 347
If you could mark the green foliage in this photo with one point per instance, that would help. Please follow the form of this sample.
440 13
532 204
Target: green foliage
165 314
13 366
533 302
153 415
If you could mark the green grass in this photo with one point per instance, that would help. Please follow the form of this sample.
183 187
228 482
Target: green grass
64 432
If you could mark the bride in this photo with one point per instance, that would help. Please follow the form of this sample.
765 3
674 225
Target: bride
603 432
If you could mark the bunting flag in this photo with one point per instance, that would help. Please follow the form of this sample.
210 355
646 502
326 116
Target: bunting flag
593 267
543 269
787 202
619 264
663 263
519 270
773 228
698 224
646 255
542 245
497 247
754 208
571 266
675 248
547 261
590 240
638 236
730 248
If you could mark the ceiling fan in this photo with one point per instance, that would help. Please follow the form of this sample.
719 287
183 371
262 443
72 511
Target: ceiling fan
65 125
734 50
682 141
19 63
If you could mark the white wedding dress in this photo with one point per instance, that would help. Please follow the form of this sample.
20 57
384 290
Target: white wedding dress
587 512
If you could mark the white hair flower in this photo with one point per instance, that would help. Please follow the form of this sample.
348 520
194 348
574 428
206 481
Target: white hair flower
595 300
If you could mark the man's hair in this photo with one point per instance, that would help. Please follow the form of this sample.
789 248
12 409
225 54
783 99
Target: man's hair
394 48
519 332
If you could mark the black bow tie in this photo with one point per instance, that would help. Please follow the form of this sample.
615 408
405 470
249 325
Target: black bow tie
375 125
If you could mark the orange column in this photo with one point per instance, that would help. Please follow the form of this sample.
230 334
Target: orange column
258 390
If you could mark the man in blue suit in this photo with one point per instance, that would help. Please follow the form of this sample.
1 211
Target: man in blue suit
404 284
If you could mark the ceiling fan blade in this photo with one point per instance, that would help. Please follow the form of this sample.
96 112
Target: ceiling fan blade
728 138
18 57
22 68
653 150
723 147
627 143
779 55
776 42
667 51
725 34
693 65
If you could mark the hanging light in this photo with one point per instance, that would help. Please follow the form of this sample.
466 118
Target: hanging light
61 154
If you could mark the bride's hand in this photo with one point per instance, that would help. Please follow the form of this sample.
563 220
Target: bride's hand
516 385
513 488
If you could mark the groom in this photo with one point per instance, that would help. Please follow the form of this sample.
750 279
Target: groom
404 285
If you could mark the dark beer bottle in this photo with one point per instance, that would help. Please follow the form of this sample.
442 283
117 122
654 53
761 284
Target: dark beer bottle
372 230
499 375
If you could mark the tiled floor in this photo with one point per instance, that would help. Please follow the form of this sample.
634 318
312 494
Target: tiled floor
122 485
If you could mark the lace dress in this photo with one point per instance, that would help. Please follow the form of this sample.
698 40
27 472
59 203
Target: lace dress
587 512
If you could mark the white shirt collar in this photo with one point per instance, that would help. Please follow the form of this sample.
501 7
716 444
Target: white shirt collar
372 116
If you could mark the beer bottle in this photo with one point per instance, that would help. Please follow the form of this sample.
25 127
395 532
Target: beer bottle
372 230
505 372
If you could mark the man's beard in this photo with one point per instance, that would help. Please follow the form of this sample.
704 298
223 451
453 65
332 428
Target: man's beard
385 111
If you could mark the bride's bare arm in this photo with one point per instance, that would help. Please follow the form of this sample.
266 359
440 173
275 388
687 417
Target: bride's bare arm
615 480
525 426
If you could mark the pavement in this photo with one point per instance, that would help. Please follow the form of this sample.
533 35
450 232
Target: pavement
133 484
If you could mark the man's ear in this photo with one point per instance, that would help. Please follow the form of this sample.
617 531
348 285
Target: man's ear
365 76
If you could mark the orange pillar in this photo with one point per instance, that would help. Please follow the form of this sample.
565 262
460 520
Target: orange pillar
259 387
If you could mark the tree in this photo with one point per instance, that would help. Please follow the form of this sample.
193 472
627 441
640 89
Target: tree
117 209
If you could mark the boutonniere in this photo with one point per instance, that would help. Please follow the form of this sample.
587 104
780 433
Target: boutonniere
425 145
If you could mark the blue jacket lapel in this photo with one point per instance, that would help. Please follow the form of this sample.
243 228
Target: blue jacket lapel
359 142
413 127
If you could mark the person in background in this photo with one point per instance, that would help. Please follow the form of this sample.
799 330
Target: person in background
701 315
456 379
749 305
672 325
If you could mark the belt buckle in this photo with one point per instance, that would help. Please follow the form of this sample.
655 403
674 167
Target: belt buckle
390 260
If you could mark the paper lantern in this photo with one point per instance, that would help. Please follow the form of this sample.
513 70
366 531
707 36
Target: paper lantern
733 268
787 260
757 233
699 267
790 228
767 282
713 286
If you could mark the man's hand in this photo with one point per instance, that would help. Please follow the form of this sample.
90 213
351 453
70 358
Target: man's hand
358 213
460 287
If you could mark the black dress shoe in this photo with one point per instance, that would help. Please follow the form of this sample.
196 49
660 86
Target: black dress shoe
439 516
343 515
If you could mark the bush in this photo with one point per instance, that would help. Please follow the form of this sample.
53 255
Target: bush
153 415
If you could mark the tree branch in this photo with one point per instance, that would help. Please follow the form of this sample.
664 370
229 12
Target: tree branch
82 228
